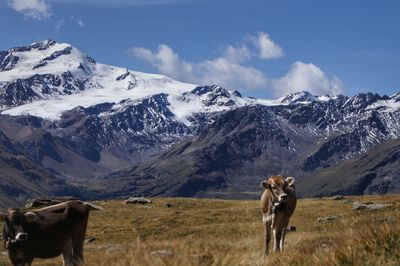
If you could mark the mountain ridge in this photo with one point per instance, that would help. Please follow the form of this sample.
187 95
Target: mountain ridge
89 125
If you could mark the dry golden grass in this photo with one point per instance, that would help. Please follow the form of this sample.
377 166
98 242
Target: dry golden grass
218 232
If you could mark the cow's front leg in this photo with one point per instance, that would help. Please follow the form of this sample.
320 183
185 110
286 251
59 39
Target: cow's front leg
277 239
282 241
267 236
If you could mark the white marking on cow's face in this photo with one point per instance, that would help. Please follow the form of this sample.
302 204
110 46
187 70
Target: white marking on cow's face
21 237
283 197
20 234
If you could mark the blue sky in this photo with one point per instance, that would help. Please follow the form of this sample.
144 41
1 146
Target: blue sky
262 48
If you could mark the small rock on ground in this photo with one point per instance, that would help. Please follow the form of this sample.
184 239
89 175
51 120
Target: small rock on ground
369 206
377 206
327 218
162 253
337 197
137 200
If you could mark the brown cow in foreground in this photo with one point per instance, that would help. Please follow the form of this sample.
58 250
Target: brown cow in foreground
46 233
277 206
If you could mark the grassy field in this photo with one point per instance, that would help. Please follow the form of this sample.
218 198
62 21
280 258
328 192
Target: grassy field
218 232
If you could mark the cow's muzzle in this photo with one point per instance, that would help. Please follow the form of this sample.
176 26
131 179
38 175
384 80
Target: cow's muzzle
283 197
21 237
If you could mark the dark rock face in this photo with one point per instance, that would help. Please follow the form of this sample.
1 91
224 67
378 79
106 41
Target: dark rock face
20 91
57 54
213 95
7 61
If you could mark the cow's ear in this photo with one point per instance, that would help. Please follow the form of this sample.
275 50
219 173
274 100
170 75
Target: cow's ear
3 217
290 181
30 217
265 184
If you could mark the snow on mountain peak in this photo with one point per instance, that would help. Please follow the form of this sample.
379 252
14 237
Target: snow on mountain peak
298 97
59 77
48 78
47 57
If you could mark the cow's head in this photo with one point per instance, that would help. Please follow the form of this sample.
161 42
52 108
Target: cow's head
279 188
15 222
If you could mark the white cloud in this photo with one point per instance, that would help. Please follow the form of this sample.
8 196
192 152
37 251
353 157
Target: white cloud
265 49
166 62
222 71
227 70
307 77
237 54
36 9
80 23
268 49
232 70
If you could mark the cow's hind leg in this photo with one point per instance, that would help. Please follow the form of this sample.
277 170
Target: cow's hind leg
77 244
67 255
78 250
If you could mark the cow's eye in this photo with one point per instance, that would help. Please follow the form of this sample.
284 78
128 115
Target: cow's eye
274 187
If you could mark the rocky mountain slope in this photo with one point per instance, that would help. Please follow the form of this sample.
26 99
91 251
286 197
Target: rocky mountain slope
374 172
114 132
21 177
229 158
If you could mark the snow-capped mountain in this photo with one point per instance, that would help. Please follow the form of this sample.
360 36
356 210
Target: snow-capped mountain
48 78
78 118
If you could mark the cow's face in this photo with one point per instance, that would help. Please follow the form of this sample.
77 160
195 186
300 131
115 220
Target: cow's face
278 187
14 233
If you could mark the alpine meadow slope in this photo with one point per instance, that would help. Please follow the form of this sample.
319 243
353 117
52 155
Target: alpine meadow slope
101 131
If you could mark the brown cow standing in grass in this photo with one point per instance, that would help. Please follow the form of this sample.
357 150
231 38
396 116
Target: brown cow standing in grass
277 206
46 233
